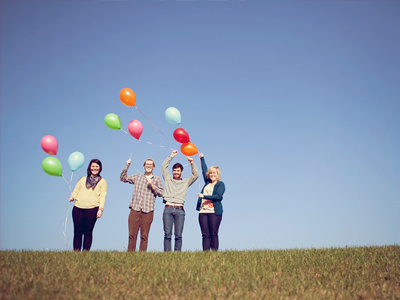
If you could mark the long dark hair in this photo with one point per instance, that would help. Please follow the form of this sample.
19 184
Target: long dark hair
96 161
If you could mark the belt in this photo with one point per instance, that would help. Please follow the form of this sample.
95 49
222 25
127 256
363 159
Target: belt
175 206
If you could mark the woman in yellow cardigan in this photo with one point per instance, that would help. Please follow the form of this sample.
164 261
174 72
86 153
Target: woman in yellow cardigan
89 195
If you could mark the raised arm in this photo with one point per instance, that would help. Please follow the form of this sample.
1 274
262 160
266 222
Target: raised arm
165 164
124 177
195 172
204 168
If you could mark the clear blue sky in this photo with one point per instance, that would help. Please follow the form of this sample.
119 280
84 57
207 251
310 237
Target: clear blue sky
298 103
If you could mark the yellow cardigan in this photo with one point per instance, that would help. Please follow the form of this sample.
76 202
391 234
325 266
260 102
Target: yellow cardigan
89 198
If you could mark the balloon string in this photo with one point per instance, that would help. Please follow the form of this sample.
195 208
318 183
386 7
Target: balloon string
67 182
199 173
153 124
71 178
64 176
65 230
123 131
156 145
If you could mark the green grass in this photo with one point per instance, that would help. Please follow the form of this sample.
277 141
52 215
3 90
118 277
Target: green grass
335 273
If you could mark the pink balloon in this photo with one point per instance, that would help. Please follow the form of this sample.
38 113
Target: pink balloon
49 144
135 128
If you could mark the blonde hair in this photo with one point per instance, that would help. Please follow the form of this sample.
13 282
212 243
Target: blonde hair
217 169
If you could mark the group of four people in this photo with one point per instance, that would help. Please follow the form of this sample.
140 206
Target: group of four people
90 193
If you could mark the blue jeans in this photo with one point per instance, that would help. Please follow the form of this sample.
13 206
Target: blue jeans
173 217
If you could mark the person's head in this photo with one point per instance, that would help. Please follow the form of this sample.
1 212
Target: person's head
149 165
214 173
94 167
177 170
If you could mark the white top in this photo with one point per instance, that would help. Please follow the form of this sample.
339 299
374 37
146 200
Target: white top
206 205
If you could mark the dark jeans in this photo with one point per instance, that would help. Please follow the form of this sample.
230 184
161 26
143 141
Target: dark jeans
173 217
209 224
84 220
139 220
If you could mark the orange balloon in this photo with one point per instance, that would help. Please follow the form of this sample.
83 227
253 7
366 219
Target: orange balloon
189 149
127 97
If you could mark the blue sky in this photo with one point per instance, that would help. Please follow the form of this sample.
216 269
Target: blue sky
297 102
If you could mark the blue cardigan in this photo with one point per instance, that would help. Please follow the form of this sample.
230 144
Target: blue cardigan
219 190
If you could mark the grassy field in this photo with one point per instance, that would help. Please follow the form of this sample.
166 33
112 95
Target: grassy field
335 273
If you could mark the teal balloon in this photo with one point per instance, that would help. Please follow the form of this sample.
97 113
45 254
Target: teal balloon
173 115
52 166
112 121
76 161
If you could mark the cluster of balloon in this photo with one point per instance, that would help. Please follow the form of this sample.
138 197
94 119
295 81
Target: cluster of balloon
112 121
180 135
51 165
135 127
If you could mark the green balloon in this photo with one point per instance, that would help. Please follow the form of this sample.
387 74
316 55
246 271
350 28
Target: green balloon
112 121
52 166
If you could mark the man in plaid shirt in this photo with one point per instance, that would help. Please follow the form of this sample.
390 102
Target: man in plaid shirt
147 188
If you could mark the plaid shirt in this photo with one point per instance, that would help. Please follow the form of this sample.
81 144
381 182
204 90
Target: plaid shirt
144 196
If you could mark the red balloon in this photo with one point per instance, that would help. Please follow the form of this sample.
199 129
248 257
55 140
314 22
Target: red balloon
181 136
189 149
127 97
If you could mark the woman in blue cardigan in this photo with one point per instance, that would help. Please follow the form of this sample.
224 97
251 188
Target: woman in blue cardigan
209 205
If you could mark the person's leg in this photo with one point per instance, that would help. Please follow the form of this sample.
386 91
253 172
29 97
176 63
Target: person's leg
78 219
145 222
168 220
179 221
133 225
213 223
205 232
90 221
